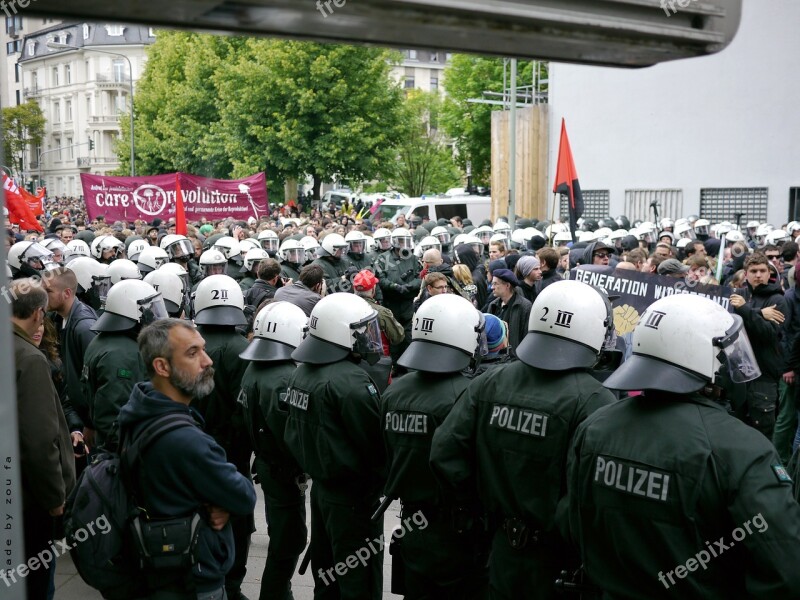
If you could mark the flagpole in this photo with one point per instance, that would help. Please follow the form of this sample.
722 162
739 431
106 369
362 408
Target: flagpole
512 144
552 220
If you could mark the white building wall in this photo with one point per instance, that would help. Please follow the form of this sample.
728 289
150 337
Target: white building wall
726 120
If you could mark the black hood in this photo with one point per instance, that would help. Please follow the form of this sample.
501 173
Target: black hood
444 269
467 256
629 242
768 289
146 403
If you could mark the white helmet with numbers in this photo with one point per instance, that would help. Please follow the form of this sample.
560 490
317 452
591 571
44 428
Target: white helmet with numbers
135 249
172 288
334 245
340 323
269 241
213 262
121 269
219 300
292 251
682 343
151 258
569 325
448 336
76 248
178 247
228 246
402 239
130 303
252 258
278 329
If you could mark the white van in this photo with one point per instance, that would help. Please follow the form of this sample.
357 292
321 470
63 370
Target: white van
475 208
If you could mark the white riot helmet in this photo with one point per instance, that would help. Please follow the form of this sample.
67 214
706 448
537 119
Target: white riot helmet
734 236
333 245
503 228
172 289
179 248
701 227
278 329
248 244
76 248
269 241
356 242
228 246
88 272
483 233
109 243
617 234
383 238
292 251
427 243
341 323
684 230
569 325
252 258
448 336
311 246
751 227
500 238
32 255
95 246
401 239
792 227
219 300
776 237
667 224
135 249
122 269
562 238
151 258
761 234
518 239
683 242
57 247
441 234
680 345
130 303
583 236
476 244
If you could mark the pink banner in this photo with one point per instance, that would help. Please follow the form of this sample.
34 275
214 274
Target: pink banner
147 198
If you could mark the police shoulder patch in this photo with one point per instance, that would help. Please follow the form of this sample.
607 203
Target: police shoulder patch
372 390
781 473
242 398
124 374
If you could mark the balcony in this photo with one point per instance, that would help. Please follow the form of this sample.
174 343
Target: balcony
84 162
32 92
107 82
104 121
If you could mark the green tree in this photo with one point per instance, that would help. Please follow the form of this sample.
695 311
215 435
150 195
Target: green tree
425 163
470 124
310 109
23 130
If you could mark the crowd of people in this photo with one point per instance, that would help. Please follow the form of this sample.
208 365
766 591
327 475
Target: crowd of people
450 365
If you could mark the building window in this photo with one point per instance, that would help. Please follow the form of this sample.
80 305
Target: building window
88 106
115 30
55 76
435 57
448 57
434 84
151 32
86 31
67 74
18 98
723 204
9 47
13 24
58 148
68 110
408 82
638 202
56 112
595 205
31 48
411 54
70 149
17 73
118 66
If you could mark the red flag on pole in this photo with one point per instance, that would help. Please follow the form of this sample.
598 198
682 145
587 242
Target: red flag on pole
18 211
180 214
33 202
567 181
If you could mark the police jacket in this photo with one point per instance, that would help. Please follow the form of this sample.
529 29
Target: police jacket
791 328
765 336
111 367
661 483
247 282
360 261
290 270
334 269
183 471
511 431
398 273
333 430
516 313
74 337
412 408
263 398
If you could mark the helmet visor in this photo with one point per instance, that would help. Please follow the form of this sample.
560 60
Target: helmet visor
367 335
742 365
403 242
484 237
152 309
483 340
293 256
180 249
338 251
701 230
443 237
356 246
102 284
270 244
213 270
384 243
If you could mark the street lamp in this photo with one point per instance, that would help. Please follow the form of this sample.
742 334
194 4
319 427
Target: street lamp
57 46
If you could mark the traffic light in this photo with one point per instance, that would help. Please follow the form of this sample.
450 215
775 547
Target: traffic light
91 145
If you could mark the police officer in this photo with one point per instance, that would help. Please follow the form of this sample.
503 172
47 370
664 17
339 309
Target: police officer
29 259
251 260
269 241
447 558
512 429
173 290
150 259
180 250
92 277
230 247
278 329
333 260
334 432
292 255
219 309
357 250
112 365
398 272
667 482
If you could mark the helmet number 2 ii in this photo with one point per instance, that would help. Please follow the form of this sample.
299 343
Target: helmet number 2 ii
219 294
563 317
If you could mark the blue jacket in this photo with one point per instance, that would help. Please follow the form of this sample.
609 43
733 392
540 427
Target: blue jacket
183 471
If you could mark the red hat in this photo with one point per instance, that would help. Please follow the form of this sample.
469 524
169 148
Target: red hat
365 280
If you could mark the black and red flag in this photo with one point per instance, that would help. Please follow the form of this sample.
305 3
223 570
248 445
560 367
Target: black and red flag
567 181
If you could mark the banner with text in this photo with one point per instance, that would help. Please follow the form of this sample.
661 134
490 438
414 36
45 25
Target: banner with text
129 198
637 291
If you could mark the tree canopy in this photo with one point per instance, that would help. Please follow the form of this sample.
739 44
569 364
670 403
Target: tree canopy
23 127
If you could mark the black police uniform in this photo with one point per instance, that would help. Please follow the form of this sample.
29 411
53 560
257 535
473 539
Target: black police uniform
335 269
670 496
447 557
512 429
334 433
265 411
398 274
290 270
225 423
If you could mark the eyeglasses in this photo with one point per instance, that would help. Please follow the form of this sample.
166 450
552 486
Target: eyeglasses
773 256
441 288
602 254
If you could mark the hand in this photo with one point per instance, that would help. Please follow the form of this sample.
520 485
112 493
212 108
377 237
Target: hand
788 377
56 512
402 289
77 439
217 517
88 436
770 313
737 300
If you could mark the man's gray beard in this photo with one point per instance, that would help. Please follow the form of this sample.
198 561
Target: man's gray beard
198 387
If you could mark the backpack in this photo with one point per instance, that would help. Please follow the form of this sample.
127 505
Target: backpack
100 512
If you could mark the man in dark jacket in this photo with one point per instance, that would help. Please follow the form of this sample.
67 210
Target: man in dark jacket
185 470
549 259
510 305
269 271
764 330
306 292
46 465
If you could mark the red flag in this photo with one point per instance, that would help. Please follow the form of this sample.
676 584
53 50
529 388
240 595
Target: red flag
180 214
18 211
33 202
567 180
